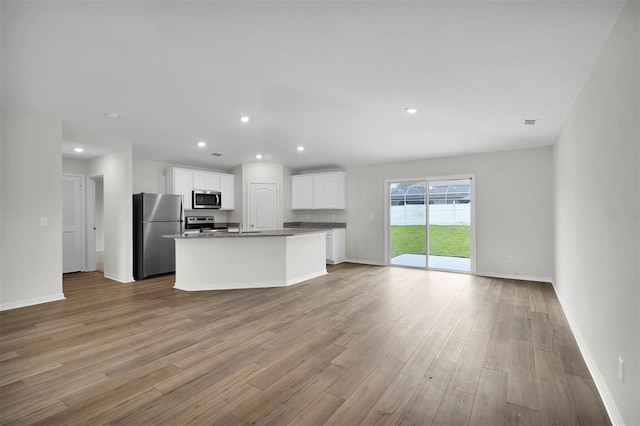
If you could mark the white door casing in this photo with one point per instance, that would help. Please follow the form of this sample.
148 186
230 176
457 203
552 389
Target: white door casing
72 223
264 203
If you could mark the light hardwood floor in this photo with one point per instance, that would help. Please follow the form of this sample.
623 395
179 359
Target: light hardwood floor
361 345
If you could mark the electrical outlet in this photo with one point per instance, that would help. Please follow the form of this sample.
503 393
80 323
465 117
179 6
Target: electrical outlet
259 265
621 369
44 221
510 259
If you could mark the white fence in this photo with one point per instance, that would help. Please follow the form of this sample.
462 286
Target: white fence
439 214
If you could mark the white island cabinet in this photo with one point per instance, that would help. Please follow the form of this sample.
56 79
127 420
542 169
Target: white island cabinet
224 260
318 191
182 181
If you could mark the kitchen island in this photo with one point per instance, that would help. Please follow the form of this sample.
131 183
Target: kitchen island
232 260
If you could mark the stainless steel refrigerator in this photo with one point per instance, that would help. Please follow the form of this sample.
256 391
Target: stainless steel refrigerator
155 215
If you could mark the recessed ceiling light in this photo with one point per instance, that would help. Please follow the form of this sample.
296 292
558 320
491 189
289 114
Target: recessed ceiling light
244 118
78 149
300 148
112 115
202 144
259 156
411 110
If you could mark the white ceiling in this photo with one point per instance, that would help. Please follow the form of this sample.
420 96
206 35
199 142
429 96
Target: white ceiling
333 76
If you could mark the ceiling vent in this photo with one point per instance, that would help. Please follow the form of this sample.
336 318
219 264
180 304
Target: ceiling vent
216 154
529 122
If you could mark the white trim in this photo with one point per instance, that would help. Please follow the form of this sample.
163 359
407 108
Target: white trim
514 277
238 286
307 277
31 302
90 224
120 280
592 366
365 262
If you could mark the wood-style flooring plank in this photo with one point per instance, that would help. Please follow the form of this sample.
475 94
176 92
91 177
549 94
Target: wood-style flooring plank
391 403
490 403
454 409
586 401
522 387
318 411
556 406
360 402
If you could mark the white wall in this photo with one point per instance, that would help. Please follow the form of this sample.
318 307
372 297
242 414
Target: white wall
596 163
74 166
116 169
513 208
31 175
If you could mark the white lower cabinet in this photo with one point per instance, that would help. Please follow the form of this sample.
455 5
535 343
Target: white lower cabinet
336 242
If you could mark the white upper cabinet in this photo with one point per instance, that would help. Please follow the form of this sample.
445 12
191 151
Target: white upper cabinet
205 180
180 182
183 181
228 192
318 191
302 192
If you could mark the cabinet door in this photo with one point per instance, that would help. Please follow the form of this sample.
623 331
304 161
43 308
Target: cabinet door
320 192
227 188
183 185
329 247
331 191
296 192
307 192
302 192
339 245
208 181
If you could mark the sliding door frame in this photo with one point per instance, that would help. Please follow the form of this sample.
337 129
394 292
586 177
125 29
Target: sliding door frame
387 217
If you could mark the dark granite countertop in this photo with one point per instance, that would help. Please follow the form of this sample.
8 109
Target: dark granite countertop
316 225
286 232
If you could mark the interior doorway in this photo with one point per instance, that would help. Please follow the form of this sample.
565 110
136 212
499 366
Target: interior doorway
95 224
264 206
431 223
72 223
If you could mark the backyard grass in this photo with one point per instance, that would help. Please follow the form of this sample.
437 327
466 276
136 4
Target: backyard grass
444 240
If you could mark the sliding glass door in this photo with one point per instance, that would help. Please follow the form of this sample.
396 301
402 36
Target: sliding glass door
430 224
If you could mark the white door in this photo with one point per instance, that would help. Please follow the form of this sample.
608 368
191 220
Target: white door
263 206
72 223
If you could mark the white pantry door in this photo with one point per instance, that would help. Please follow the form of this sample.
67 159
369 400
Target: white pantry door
263 206
72 223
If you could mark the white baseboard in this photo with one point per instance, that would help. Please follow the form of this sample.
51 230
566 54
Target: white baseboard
366 262
310 276
119 279
515 277
31 302
601 385
238 286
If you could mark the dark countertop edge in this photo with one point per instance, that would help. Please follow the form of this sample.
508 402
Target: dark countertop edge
277 233
315 225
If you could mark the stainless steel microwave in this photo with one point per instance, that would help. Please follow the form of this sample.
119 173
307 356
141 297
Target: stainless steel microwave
204 199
